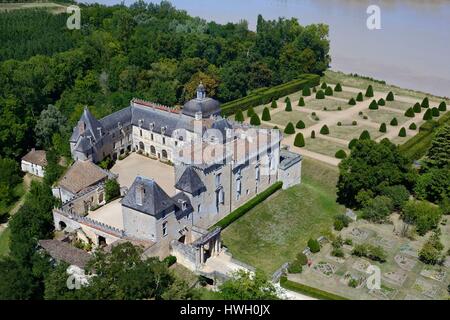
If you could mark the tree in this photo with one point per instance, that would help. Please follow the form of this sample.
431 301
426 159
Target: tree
338 87
359 97
435 112
381 102
53 170
324 130
427 115
306 92
299 140
365 135
288 105
300 125
313 134
209 81
377 209
390 96
266 114
443 106
320 95
239 116
254 120
394 122
352 143
50 121
324 85
370 166
301 102
398 195
383 127
274 104
250 112
410 113
289 128
9 179
433 185
373 105
328 91
424 215
413 126
112 190
417 108
352 101
340 154
425 103
402 132
431 250
244 286
313 245
438 154
369 91
16 282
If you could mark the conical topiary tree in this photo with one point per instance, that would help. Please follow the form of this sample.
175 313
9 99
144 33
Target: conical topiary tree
359 97
250 112
352 101
306 92
413 126
352 143
443 106
365 135
390 96
369 91
300 125
383 127
373 105
320 95
425 103
266 114
324 130
394 122
435 112
381 102
288 105
340 154
289 128
427 115
313 134
301 102
254 120
299 140
239 116
287 99
410 113
314 89
338 87
328 91
417 108
324 85
274 104
402 132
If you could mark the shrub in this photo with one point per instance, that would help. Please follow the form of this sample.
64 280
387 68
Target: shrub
324 130
320 95
289 128
112 190
337 252
301 102
313 134
306 92
352 101
288 105
239 116
365 135
339 108
394 122
274 104
427 115
310 291
325 109
369 251
302 258
424 215
170 260
365 117
287 99
329 91
340 154
381 102
341 221
369 91
354 123
417 108
313 245
390 96
348 242
402 132
254 120
300 125
359 97
338 87
324 85
250 112
398 194
431 250
373 105
377 209
410 113
339 124
352 143
299 140
435 112
383 127
314 89
266 114
413 126
425 103
295 267
443 106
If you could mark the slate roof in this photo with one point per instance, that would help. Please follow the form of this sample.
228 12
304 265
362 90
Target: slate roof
179 198
207 106
288 159
91 127
111 121
82 174
155 201
62 251
190 182
38 157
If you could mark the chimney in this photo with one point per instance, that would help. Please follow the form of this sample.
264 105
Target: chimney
140 194
81 127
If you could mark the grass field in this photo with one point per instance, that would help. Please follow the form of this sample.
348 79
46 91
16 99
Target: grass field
352 132
323 146
4 242
282 118
385 116
329 103
276 230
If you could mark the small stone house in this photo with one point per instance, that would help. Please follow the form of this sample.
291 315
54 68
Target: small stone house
34 162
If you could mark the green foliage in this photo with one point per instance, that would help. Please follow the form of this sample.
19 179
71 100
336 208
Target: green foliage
266 114
239 116
299 140
377 209
250 112
435 112
306 92
320 95
352 101
398 195
338 87
433 185
373 105
394 122
359 97
352 143
424 215
328 91
365 135
390 96
439 151
313 134
341 221
274 104
417 108
381 102
254 120
9 179
170 260
410 113
295 267
309 291
324 130
383 127
302 259
50 121
340 154
289 128
425 103
106 163
427 115
413 126
112 190
313 245
431 252
245 286
324 85
300 125
301 102
402 132
443 106
288 105
369 91
369 251
53 170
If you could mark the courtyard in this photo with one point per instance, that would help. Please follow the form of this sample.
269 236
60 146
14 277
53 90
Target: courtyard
110 214
139 165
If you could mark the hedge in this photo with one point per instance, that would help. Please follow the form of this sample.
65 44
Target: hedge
239 116
427 115
274 104
301 102
313 134
352 101
338 87
425 103
435 112
288 106
369 91
390 96
250 112
352 143
324 85
359 97
324 130
443 106
266 95
306 92
410 113
402 132
266 114
307 290
340 154
170 260
365 135
320 95
254 120
417 108
383 127
289 128
381 102
246 207
373 105
413 126
394 122
300 125
328 91
299 140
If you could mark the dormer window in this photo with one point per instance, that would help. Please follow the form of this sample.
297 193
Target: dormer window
151 126
163 130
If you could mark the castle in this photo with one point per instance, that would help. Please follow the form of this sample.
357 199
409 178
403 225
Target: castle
218 166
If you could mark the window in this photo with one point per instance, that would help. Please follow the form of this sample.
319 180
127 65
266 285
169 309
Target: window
164 140
238 188
151 137
140 132
199 208
218 178
164 229
221 196
257 174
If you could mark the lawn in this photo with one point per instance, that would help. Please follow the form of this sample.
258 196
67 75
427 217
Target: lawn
346 95
351 132
323 146
4 242
400 105
385 116
283 117
329 103
276 230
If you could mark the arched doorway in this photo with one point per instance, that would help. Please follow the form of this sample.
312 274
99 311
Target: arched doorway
141 146
164 154
153 150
